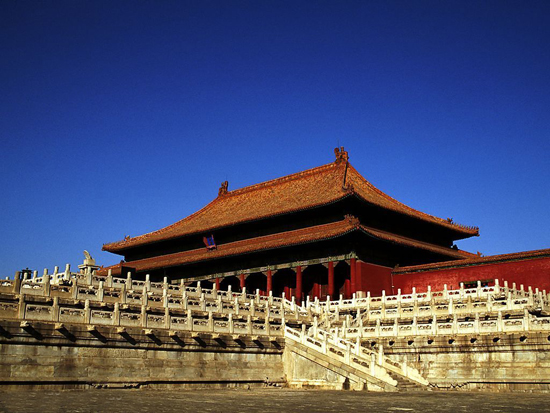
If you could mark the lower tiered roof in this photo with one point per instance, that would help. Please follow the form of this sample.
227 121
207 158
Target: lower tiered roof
280 240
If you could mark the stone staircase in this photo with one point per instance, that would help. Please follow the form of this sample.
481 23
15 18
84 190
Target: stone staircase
365 368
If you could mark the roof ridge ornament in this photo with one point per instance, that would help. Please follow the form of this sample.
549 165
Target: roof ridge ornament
223 188
341 154
353 220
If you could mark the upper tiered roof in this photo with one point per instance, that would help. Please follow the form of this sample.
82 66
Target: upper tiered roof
297 192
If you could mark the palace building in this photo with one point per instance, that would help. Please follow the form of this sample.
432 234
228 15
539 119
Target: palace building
325 231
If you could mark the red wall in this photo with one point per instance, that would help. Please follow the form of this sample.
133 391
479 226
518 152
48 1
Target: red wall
534 273
373 278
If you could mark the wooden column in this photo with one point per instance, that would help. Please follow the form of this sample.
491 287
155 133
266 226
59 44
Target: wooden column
331 279
316 288
353 275
217 284
299 283
347 288
242 280
269 282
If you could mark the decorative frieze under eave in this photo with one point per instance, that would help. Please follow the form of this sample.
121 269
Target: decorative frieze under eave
290 265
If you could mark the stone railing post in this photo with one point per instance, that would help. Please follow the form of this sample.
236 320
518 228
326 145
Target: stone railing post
123 294
202 301
129 281
21 307
46 282
455 324
100 292
500 323
148 282
55 309
55 275
165 297
67 273
249 324
231 326
347 354
478 289
144 296
373 364
109 279
89 276
210 322
167 318
184 302
87 312
381 355
116 315
303 334
190 323
143 317
17 283
315 325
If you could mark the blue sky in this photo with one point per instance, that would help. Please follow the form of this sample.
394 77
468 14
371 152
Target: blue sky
119 118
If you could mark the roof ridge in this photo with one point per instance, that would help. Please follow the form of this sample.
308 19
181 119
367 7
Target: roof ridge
281 179
228 194
448 222
426 245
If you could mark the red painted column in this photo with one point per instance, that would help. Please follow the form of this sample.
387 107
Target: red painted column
299 283
287 291
269 282
353 275
316 288
242 281
347 288
331 279
217 283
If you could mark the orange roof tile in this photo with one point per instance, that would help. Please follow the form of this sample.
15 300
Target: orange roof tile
477 260
284 239
304 190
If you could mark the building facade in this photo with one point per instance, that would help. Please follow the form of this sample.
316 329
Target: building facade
323 231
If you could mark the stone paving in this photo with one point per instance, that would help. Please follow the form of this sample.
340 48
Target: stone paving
265 401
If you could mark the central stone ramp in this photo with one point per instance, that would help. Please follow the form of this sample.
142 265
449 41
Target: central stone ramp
364 368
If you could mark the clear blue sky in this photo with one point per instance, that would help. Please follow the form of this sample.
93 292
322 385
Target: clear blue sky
121 117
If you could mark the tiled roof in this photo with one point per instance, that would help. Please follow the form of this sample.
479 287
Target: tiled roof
283 239
409 242
301 191
478 260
